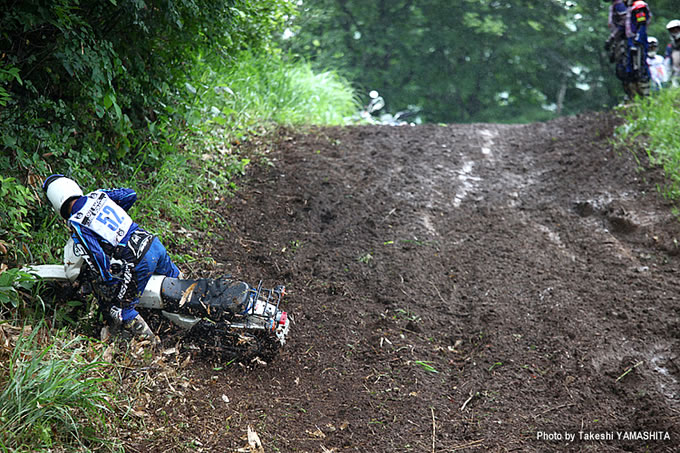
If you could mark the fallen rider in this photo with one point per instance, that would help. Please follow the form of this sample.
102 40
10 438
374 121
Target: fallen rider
121 254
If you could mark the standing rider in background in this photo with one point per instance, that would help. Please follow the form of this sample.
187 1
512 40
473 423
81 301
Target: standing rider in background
672 54
616 44
121 255
657 65
637 19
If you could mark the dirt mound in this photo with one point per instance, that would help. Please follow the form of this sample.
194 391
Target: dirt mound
466 287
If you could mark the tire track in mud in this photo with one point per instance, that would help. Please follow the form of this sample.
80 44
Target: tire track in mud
609 219
529 273
490 281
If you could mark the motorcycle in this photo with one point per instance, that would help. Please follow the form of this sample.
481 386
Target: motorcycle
640 76
224 314
370 113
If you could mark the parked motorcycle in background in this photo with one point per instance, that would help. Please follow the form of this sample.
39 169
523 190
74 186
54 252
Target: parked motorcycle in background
371 113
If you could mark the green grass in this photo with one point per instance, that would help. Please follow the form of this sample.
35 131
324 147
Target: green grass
273 88
653 123
425 365
52 394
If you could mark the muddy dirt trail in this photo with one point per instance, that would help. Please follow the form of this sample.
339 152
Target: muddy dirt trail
454 288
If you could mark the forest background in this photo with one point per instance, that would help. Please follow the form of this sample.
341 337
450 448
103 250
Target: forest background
153 94
474 60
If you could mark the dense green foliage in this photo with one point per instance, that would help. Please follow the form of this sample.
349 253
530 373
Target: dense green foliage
138 93
473 60
276 88
83 80
97 85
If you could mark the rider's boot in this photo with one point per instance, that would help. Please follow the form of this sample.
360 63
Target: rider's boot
644 88
629 91
139 328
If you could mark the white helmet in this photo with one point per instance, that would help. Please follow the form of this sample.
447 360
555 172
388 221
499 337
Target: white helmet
653 44
59 190
674 24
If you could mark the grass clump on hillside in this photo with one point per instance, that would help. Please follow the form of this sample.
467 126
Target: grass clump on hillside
274 89
188 155
654 122
52 391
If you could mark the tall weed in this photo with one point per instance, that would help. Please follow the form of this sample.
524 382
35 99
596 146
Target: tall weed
181 165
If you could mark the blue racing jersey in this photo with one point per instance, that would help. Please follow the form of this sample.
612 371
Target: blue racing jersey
99 221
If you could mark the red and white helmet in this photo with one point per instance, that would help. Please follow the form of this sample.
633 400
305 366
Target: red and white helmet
60 190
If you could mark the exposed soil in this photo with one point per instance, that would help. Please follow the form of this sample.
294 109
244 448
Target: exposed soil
453 288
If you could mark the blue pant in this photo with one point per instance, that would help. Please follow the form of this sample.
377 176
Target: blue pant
155 262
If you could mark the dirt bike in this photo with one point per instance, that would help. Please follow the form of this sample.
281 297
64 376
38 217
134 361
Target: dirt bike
640 76
221 314
370 113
